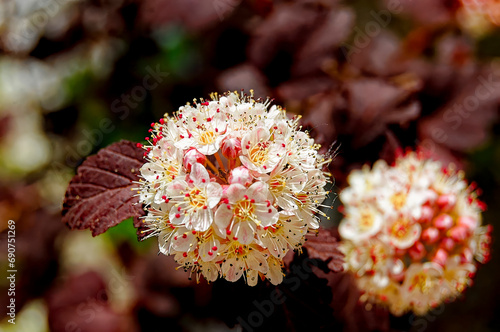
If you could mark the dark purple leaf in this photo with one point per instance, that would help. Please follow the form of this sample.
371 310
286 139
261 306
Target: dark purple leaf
324 246
100 196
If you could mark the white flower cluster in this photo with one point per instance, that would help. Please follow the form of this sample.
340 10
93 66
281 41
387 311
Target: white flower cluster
231 186
411 233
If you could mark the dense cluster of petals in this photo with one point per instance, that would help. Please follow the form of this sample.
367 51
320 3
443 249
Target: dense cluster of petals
230 186
479 16
412 233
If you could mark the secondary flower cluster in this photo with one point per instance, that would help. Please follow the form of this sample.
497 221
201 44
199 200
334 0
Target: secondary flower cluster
479 16
231 186
411 233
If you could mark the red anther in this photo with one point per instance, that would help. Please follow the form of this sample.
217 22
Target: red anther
228 232
162 121
194 118
265 167
229 207
150 130
205 103
214 248
252 201
184 236
187 195
203 180
152 124
139 145
146 138
268 203
194 232
205 207
265 228
283 144
210 253
167 200
181 136
246 196
216 130
209 119
175 238
177 215
235 238
270 210
180 116
179 209
247 147
218 110
185 254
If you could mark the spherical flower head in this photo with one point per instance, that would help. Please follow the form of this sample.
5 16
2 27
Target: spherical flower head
230 186
412 233
479 16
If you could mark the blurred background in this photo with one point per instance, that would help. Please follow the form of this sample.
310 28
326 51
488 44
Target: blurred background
367 76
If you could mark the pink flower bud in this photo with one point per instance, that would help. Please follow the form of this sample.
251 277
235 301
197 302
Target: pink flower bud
458 233
443 221
440 257
447 244
430 235
231 147
241 175
467 256
193 156
468 222
446 202
427 214
417 252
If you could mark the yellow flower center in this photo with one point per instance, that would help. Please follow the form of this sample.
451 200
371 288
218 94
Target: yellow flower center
400 228
366 220
258 153
207 137
243 209
277 184
422 282
196 200
398 200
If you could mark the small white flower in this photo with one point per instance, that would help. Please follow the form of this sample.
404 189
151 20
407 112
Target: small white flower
194 199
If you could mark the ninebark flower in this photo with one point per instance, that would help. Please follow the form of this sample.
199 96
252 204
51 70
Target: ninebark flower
231 186
411 233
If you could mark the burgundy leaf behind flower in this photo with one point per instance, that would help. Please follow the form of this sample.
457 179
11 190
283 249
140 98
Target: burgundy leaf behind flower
100 196
324 246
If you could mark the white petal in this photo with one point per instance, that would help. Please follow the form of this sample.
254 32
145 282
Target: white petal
243 232
202 220
267 215
252 277
199 175
257 261
257 191
214 194
223 217
235 192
